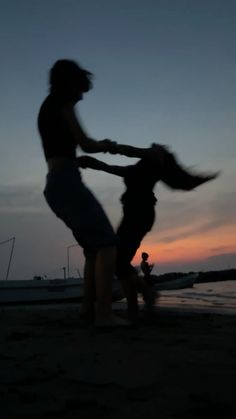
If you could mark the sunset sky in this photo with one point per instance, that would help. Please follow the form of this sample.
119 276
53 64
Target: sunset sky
164 72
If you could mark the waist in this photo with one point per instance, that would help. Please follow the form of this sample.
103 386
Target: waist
57 163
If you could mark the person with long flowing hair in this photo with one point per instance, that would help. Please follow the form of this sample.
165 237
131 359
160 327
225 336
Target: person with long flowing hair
138 203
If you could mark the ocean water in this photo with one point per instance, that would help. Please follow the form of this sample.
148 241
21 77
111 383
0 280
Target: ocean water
213 297
219 297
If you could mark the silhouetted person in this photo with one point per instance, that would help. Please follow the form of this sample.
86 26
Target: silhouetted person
61 132
138 203
146 267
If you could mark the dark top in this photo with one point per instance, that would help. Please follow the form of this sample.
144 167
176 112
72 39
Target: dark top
57 141
146 268
140 180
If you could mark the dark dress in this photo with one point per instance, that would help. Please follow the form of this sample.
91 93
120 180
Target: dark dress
138 203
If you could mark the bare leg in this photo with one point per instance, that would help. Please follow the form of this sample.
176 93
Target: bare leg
130 289
104 273
87 310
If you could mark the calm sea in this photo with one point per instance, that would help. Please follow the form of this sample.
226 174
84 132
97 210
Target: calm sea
217 297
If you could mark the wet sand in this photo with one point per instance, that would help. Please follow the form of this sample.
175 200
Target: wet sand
178 365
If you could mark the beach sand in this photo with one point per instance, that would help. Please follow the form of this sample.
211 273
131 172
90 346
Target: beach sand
178 365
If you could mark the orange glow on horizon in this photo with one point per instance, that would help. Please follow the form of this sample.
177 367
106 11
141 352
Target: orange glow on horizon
190 249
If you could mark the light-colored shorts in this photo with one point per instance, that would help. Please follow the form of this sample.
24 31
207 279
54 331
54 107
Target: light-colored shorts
75 204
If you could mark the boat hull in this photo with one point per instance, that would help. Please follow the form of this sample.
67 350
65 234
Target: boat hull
22 291
59 290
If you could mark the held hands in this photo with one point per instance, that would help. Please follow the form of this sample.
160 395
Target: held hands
84 161
109 146
156 151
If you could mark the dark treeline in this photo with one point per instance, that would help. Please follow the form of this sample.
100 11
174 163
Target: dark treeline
209 276
214 276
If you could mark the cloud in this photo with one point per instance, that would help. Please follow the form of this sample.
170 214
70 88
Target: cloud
223 257
187 215
217 262
221 249
220 261
23 198
205 227
222 206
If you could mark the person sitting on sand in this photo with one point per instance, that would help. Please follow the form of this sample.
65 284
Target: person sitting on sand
139 214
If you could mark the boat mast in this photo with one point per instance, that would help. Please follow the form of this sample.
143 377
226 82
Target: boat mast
68 258
12 248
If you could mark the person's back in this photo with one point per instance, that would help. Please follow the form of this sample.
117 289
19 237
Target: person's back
140 179
146 268
57 141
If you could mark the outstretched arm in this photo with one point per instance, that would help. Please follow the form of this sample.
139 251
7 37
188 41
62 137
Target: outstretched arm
156 150
90 145
92 163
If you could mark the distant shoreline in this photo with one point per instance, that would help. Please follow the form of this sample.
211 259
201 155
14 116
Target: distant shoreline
209 276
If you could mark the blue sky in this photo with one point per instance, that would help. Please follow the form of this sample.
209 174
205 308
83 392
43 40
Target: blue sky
164 72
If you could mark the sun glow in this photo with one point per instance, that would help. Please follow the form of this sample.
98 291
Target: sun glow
190 249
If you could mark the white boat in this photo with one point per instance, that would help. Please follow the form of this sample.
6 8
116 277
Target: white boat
44 290
47 290
39 289
71 289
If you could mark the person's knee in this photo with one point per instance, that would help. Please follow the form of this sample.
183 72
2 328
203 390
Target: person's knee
107 256
107 251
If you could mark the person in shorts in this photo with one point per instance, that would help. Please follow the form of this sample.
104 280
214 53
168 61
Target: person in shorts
61 134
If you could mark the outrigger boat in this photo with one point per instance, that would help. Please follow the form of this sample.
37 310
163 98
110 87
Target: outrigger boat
39 290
